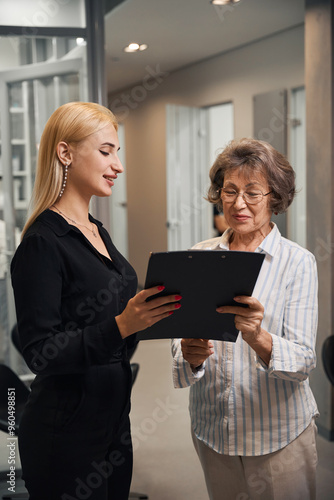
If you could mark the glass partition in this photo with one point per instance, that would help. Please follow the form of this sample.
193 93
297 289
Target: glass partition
43 13
48 72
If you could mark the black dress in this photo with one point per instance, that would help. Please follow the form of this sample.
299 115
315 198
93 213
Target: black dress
74 437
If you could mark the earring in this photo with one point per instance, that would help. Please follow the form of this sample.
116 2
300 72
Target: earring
64 181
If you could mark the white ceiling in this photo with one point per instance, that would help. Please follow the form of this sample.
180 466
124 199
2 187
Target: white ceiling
183 32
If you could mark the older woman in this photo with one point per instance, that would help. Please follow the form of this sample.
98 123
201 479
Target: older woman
252 410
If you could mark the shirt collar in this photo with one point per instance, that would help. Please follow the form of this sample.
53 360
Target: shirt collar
58 224
268 245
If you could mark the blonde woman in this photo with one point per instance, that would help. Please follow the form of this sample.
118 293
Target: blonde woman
77 312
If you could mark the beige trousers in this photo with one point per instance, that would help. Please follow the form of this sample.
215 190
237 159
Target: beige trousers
287 474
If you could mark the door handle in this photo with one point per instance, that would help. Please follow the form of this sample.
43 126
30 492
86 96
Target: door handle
172 224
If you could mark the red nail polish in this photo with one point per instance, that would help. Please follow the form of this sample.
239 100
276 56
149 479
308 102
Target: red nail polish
177 306
178 297
171 312
160 287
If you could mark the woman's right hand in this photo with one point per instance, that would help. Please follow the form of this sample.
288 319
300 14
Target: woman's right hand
196 351
140 314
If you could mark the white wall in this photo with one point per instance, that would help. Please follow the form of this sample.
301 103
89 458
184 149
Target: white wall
221 128
273 63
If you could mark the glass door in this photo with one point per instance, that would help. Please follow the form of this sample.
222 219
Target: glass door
28 96
194 136
297 212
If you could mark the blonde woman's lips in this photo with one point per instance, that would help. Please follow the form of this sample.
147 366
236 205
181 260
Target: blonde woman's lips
109 179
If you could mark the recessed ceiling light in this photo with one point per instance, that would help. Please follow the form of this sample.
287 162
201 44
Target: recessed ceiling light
135 47
223 2
81 41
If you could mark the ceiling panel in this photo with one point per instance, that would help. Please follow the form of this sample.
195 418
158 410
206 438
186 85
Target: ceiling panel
183 32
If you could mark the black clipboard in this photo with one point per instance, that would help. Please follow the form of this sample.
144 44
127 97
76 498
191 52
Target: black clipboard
205 279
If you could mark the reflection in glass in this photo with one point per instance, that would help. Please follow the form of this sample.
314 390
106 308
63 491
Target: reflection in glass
30 103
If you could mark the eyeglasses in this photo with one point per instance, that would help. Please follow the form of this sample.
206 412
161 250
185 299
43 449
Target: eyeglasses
250 197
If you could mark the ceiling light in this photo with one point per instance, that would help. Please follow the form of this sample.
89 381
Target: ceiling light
81 41
135 47
223 2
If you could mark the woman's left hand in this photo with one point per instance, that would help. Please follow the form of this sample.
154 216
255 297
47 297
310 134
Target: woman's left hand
247 319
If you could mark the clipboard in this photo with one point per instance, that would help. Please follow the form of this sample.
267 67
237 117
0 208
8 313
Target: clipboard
205 279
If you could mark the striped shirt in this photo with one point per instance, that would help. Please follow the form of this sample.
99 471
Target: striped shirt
239 405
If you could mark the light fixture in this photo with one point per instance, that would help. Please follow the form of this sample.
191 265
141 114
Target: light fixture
81 41
223 2
135 47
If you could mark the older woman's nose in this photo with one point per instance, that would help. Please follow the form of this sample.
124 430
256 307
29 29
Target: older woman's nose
239 201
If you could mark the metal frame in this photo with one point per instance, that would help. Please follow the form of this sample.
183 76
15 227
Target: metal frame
97 83
33 31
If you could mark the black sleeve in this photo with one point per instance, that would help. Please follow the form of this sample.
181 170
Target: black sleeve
47 345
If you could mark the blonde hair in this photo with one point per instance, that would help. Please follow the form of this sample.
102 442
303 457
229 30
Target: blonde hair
71 123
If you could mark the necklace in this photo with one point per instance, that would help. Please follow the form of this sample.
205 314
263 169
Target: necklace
75 222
